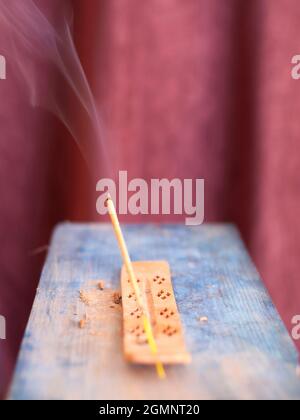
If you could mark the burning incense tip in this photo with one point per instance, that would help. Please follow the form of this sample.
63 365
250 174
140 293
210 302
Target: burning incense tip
108 198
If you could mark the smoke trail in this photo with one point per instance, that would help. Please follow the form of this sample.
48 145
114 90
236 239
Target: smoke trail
40 47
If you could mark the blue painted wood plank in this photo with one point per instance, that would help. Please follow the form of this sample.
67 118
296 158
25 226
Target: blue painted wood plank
242 352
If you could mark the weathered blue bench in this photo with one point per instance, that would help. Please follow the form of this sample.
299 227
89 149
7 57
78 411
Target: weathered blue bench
243 351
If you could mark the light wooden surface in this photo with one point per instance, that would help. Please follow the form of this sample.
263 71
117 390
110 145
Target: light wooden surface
241 350
154 281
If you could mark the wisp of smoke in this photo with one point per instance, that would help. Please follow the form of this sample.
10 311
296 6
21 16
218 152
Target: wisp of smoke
41 46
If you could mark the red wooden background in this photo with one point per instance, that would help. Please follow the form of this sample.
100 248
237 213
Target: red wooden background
189 89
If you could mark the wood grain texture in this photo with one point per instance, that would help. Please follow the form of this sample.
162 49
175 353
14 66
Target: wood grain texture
154 280
243 350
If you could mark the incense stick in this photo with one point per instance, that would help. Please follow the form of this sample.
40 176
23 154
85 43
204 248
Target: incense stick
127 261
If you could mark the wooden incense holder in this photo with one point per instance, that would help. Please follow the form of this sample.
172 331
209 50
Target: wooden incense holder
154 280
